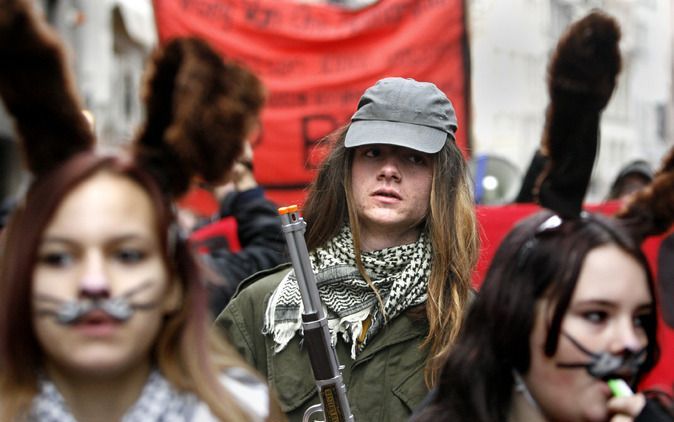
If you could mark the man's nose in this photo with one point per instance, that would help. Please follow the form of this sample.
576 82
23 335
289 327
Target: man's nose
389 169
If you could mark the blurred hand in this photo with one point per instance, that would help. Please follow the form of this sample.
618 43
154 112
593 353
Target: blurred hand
241 177
626 409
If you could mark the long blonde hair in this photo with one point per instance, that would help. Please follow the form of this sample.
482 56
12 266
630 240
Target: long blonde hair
451 226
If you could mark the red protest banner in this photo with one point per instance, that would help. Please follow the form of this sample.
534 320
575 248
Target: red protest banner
316 61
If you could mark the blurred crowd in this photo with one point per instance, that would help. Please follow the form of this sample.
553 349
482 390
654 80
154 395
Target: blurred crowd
155 283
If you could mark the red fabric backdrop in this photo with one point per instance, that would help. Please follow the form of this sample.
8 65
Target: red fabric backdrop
316 61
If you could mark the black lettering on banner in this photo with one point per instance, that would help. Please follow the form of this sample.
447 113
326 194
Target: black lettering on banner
261 17
350 98
303 19
215 11
287 99
337 63
345 97
416 56
278 68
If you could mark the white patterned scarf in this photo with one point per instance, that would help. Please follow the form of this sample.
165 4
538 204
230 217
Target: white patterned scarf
399 273
158 401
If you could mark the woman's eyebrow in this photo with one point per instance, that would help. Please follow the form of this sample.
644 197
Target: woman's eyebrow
58 240
610 304
124 237
599 301
646 307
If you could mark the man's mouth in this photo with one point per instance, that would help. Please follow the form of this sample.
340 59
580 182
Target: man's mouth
387 193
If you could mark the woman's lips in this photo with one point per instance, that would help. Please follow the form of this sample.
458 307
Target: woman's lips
96 323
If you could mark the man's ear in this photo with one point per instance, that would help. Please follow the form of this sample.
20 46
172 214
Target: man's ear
173 299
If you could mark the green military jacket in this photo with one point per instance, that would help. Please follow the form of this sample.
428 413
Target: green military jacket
384 383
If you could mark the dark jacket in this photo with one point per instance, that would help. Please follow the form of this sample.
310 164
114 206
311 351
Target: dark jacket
259 234
654 411
384 382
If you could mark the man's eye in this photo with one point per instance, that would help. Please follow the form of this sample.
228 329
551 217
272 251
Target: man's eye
595 316
56 259
371 152
416 159
130 256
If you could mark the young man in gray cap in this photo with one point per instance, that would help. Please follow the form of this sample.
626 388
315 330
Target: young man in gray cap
392 239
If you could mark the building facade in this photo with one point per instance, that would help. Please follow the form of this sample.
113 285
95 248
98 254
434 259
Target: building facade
511 43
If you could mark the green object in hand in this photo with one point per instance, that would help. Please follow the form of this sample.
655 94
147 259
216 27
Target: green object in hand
619 388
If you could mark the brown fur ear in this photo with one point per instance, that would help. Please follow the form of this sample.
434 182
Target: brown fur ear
38 89
199 111
581 77
650 211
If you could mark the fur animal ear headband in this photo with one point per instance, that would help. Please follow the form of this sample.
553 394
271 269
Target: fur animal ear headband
199 108
650 212
581 78
38 90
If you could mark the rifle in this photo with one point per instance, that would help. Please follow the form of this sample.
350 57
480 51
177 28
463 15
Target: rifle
327 372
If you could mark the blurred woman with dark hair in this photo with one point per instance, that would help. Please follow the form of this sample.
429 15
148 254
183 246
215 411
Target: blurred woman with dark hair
567 306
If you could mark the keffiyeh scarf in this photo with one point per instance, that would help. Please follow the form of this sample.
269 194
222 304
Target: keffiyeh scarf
159 401
399 273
